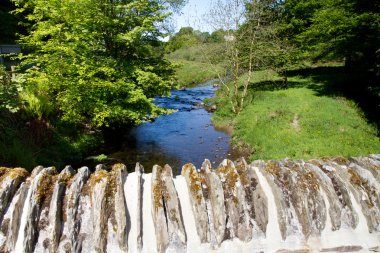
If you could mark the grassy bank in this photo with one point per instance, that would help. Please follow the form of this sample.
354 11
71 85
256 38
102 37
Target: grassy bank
191 73
197 64
308 118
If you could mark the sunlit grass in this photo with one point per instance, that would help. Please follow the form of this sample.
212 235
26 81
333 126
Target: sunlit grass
299 121
190 73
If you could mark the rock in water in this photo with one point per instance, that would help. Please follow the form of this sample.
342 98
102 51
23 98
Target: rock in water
158 212
198 202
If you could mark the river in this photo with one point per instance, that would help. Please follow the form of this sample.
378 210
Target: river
187 135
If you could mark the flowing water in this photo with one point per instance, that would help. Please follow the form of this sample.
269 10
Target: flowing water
181 137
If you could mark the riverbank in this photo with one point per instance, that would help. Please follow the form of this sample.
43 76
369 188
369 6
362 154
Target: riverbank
300 120
197 64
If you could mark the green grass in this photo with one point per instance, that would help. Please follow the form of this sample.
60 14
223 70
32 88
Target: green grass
198 63
191 73
302 121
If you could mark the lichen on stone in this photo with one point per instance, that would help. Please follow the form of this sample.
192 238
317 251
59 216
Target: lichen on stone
241 168
97 177
309 180
45 188
228 173
273 168
363 184
13 173
157 193
195 186
3 171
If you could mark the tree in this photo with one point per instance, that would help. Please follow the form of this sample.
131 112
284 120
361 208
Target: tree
96 63
252 42
186 37
344 29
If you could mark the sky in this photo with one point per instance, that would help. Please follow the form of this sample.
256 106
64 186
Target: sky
192 15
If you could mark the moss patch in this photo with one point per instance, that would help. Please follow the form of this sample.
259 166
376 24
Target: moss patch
362 184
14 173
45 189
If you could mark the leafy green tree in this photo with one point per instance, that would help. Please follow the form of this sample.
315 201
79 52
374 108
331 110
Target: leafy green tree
186 37
95 62
262 41
344 29
217 36
9 99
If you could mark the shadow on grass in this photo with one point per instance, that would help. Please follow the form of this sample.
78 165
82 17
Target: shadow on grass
334 81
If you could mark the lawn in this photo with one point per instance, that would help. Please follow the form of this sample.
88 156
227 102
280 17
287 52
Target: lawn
305 119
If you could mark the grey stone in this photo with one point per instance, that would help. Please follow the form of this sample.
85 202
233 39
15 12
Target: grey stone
238 222
99 211
215 196
198 202
120 173
9 186
71 225
256 199
139 170
158 213
176 229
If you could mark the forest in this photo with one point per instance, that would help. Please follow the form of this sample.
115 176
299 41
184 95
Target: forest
92 67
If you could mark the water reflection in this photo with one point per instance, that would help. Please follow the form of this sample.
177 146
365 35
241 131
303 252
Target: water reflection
185 136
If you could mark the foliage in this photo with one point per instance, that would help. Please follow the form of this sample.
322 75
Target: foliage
95 63
9 90
327 29
187 37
